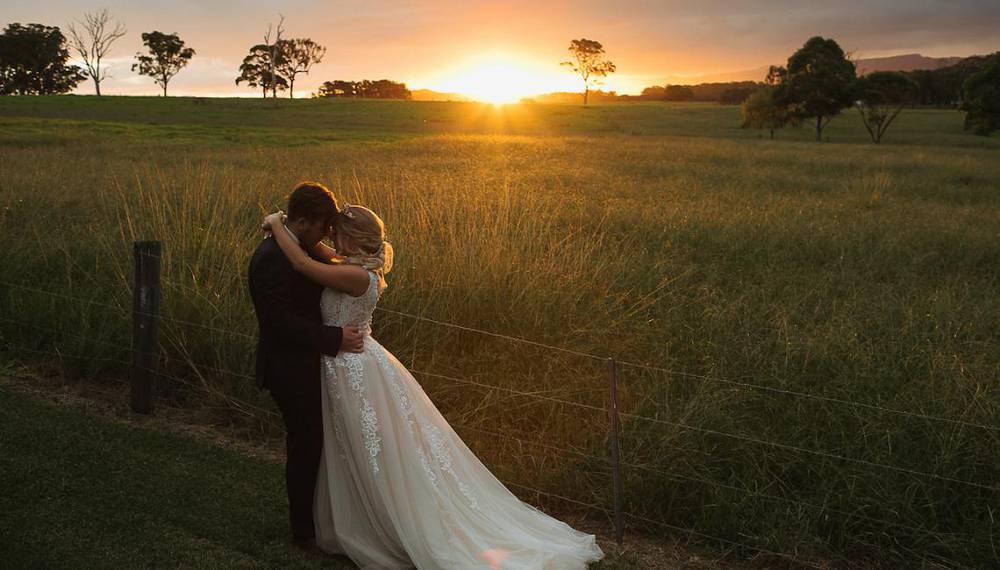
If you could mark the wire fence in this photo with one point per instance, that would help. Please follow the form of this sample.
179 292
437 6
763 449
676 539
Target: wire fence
199 371
529 342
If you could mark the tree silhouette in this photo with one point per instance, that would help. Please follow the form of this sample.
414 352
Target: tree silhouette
761 111
365 89
818 82
735 95
271 73
776 75
678 93
256 71
297 56
33 61
590 64
943 86
337 88
654 93
981 94
881 97
92 41
167 57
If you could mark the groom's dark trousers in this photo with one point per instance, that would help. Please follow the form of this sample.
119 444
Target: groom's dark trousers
292 338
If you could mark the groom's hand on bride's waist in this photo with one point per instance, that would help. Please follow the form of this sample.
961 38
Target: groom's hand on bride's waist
352 340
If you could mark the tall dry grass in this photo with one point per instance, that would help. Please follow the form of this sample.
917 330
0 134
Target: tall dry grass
848 272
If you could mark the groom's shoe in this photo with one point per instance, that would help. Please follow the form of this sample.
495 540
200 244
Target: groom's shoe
307 545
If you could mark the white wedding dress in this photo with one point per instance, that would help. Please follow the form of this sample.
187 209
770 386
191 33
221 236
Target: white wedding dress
397 488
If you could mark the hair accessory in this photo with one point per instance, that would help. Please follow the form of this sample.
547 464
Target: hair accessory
347 211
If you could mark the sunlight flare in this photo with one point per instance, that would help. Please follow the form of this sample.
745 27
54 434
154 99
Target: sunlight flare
502 78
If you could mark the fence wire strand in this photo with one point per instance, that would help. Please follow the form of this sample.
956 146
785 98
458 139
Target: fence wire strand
748 439
248 408
635 365
684 478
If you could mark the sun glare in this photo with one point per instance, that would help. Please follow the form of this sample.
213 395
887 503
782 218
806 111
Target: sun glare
500 79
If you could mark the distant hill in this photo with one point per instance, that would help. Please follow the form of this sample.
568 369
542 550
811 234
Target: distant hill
431 95
906 62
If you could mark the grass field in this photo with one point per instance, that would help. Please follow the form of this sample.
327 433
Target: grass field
95 494
653 233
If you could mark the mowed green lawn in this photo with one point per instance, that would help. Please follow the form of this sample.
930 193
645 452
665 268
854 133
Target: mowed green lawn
311 121
82 492
750 271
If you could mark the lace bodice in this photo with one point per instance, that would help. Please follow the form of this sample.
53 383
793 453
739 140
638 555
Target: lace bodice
340 309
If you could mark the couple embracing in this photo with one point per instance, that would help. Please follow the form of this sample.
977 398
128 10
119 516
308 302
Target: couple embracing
373 470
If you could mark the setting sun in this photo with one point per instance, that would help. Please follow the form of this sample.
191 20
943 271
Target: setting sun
500 78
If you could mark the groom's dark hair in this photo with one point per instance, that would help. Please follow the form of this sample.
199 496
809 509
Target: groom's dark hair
312 201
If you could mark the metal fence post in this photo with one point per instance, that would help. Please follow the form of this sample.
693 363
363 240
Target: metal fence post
145 317
615 450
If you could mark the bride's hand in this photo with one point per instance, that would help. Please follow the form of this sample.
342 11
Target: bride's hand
272 221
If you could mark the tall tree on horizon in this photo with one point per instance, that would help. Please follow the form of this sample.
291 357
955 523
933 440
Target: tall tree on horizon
256 71
92 41
296 56
167 57
818 83
275 54
33 61
590 64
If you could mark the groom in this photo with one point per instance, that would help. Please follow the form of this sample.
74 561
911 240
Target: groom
292 338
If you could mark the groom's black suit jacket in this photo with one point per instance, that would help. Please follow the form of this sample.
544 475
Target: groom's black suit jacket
292 334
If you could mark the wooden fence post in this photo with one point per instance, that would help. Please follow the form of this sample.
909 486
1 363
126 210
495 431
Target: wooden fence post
615 450
145 317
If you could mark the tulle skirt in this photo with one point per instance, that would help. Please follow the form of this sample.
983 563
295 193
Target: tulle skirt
397 488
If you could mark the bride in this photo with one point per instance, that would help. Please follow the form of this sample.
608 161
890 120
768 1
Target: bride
397 487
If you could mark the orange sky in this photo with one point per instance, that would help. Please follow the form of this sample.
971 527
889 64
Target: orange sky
445 45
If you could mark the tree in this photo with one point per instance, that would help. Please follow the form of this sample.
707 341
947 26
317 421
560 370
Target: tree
366 89
735 95
33 61
818 82
981 97
274 78
654 93
762 111
942 87
729 93
337 88
678 93
297 56
775 75
590 64
167 57
881 96
383 89
256 71
92 41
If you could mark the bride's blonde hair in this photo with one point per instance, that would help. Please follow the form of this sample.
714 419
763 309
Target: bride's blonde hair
360 238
